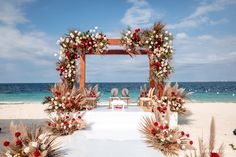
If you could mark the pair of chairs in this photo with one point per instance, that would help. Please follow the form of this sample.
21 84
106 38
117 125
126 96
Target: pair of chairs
115 96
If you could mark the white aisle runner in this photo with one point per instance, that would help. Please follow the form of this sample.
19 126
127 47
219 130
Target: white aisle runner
110 134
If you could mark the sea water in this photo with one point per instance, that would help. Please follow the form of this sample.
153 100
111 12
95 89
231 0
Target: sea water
202 91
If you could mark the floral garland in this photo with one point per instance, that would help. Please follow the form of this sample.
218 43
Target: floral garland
64 99
75 44
158 42
65 124
159 136
31 142
131 40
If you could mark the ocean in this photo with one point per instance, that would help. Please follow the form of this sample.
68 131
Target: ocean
202 91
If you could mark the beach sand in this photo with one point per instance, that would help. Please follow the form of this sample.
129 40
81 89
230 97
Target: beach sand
117 130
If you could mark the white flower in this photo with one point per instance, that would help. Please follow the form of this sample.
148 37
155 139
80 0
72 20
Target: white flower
178 141
166 32
41 137
8 154
76 31
183 147
34 144
129 32
26 150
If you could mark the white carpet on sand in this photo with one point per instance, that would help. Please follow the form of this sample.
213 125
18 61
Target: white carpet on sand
110 134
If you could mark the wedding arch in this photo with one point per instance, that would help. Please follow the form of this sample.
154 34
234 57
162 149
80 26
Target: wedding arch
156 43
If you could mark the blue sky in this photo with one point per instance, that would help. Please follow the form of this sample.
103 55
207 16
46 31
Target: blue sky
204 32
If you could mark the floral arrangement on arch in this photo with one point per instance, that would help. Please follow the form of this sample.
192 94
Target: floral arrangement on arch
73 45
160 136
174 97
131 40
64 99
158 41
31 142
65 124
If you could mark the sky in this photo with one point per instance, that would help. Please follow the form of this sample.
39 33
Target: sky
204 38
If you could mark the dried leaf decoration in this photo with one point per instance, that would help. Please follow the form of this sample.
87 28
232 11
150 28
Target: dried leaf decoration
31 142
158 135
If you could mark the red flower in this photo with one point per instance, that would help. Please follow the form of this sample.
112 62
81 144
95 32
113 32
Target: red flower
182 133
68 54
214 154
187 135
166 127
73 119
17 134
153 131
65 123
67 117
6 143
75 46
161 127
137 30
191 142
18 142
49 124
37 153
57 93
79 117
155 123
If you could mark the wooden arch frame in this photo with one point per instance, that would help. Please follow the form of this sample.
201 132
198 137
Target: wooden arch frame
109 52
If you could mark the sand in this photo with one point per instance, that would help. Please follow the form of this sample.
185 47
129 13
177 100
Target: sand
116 132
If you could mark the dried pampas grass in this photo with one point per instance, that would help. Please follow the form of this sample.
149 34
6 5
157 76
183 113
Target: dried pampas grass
31 142
209 151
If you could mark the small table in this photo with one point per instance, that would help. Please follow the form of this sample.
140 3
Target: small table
115 103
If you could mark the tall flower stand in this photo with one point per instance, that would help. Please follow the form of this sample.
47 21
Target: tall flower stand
173 120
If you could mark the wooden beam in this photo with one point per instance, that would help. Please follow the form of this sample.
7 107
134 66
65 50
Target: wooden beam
82 71
118 52
114 42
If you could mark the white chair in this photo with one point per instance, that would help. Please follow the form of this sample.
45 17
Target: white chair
114 95
125 95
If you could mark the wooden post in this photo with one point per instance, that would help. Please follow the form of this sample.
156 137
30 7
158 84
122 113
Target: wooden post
82 71
160 89
151 81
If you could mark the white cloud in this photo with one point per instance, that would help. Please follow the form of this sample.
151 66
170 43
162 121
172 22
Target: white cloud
140 14
10 12
33 46
205 49
200 15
